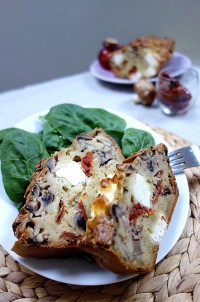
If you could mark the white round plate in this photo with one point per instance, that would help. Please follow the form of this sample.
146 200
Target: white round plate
179 62
78 270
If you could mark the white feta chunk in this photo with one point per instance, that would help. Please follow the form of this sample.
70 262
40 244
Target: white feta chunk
118 58
141 190
72 172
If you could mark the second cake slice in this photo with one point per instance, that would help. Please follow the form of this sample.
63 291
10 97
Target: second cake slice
131 214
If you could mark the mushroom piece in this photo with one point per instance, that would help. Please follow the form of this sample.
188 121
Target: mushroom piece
145 91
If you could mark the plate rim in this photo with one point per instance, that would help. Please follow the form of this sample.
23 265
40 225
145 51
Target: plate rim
117 278
104 76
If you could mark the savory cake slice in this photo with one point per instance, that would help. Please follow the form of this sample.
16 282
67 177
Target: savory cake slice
59 197
132 212
142 58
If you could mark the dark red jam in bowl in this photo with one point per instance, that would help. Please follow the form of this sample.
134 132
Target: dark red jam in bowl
172 94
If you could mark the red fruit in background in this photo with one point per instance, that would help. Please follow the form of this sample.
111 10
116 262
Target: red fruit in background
109 45
103 58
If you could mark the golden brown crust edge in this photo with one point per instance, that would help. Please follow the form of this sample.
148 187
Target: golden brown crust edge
24 250
162 46
96 130
110 261
138 153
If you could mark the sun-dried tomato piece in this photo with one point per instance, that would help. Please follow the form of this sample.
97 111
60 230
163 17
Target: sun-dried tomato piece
173 185
159 174
139 210
86 163
132 70
69 236
61 212
159 187
82 209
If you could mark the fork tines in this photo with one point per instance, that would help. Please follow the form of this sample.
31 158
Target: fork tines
184 158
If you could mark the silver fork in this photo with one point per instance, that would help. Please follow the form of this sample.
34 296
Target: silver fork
183 158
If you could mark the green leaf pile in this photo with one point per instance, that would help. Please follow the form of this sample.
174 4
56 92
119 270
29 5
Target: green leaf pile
21 150
65 121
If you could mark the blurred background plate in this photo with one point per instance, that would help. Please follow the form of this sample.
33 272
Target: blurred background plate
179 62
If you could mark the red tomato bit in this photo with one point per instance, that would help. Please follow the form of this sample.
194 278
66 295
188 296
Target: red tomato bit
82 209
86 163
138 210
159 188
61 212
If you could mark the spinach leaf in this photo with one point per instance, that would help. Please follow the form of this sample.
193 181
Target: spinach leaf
68 120
3 132
102 118
52 139
21 151
134 140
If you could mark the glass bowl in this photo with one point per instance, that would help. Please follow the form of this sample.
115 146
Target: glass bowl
176 94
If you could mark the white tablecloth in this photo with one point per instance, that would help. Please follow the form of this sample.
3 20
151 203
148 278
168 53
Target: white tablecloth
85 90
